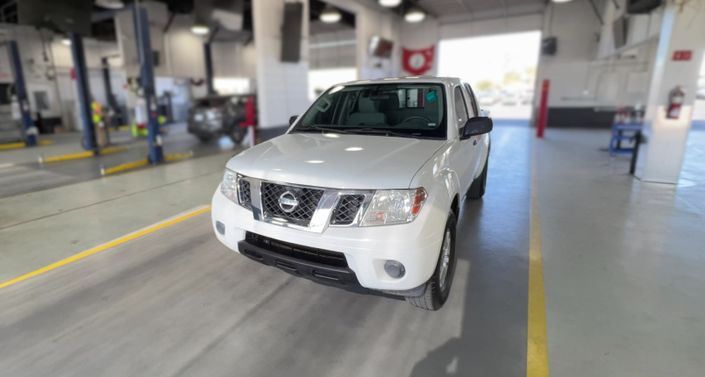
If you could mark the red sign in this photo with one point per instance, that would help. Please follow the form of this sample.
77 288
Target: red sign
418 62
682 55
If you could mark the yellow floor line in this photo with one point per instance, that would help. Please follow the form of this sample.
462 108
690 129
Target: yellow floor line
124 167
537 342
110 244
172 157
80 155
21 144
178 156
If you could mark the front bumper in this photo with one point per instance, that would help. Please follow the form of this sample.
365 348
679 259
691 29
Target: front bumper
416 245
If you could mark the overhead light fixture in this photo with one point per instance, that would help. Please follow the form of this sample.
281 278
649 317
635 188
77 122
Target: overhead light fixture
330 15
65 41
110 4
561 1
389 3
414 14
200 29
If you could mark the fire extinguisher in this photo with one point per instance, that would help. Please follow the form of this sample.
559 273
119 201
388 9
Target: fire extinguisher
675 102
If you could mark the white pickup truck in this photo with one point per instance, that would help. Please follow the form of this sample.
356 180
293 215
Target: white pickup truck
364 189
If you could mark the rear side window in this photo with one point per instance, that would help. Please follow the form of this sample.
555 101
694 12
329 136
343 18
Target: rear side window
473 100
461 112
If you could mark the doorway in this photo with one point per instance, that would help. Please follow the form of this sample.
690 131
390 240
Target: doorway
502 72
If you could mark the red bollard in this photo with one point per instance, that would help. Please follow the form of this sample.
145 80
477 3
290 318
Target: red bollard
543 110
250 118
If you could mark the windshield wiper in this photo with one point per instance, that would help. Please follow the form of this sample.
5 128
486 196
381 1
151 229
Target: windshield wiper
379 131
323 128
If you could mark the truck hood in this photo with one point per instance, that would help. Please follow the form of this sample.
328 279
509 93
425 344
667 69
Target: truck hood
337 160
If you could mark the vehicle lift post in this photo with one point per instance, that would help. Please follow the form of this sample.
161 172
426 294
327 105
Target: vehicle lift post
156 154
30 131
84 93
208 56
112 103
208 67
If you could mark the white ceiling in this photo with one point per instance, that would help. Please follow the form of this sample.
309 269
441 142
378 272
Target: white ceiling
456 8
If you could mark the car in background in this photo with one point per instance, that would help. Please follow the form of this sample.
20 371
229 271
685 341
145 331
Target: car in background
486 99
214 116
700 94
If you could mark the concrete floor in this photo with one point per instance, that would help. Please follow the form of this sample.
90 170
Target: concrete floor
623 269
20 171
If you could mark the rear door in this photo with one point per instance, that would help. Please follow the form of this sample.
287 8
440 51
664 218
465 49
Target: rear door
480 143
464 160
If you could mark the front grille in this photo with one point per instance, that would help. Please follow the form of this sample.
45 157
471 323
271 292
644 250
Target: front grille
243 192
324 257
300 214
346 210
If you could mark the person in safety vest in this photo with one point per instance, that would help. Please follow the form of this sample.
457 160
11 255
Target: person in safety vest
97 117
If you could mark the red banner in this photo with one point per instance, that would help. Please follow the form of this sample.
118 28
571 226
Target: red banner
418 62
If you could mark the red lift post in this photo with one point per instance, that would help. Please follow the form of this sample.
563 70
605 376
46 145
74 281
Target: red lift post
543 110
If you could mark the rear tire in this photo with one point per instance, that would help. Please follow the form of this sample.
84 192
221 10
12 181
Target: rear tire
477 188
237 134
437 289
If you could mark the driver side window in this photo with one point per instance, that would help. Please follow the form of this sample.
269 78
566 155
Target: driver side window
461 112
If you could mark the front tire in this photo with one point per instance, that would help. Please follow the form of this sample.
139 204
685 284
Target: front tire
437 289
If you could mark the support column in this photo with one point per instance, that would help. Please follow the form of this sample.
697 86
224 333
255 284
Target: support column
282 88
677 63
207 54
30 131
84 92
156 154
110 97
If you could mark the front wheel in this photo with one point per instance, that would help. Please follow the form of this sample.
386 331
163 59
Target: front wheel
437 289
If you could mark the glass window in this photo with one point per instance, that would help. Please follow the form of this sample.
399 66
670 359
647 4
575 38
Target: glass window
405 110
473 100
461 110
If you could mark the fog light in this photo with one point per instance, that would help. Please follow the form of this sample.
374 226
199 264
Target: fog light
394 269
220 227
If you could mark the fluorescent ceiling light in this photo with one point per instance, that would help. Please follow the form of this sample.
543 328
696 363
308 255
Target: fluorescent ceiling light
110 4
561 1
65 41
389 3
414 14
200 29
330 15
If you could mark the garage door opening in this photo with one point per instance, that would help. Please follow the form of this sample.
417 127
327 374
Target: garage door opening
500 68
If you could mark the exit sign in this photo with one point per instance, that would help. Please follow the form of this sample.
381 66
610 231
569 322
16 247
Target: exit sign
682 55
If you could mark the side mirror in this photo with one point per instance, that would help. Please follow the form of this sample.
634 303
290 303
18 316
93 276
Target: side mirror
477 126
292 119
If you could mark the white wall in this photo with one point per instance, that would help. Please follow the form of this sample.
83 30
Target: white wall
371 20
282 88
333 50
46 64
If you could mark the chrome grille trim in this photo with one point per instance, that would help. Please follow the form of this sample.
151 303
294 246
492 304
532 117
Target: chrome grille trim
322 216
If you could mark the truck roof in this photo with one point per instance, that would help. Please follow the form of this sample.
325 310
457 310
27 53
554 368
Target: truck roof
407 79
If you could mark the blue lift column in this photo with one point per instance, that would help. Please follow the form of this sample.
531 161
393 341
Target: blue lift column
156 154
30 132
84 92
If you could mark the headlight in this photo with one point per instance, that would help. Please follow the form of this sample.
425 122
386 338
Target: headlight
236 188
229 185
394 207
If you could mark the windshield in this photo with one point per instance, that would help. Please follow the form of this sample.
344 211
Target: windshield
403 110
